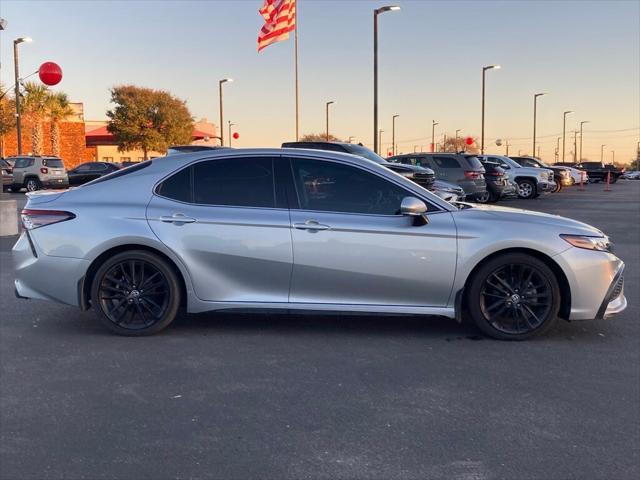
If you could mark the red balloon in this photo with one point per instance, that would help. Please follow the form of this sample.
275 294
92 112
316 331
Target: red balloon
50 73
469 141
236 135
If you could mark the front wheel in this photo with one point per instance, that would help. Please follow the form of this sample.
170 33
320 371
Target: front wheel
514 297
558 187
135 293
526 189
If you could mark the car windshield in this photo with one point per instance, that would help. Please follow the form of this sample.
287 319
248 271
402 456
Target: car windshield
511 163
365 153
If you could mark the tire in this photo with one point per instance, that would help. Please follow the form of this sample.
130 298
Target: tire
614 178
496 300
32 184
484 197
558 188
122 306
526 188
14 189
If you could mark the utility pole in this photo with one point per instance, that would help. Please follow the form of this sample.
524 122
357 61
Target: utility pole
506 144
433 135
581 135
575 146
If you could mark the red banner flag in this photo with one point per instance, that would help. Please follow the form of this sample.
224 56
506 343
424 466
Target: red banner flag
279 19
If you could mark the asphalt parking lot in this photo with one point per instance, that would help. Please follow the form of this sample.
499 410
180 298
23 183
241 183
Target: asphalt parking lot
290 396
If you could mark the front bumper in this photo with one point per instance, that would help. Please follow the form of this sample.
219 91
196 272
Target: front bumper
46 277
595 283
546 187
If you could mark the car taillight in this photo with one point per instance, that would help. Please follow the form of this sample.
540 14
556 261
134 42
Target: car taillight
473 174
39 218
44 170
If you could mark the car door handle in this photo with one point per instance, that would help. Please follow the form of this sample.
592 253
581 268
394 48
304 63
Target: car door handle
177 218
310 225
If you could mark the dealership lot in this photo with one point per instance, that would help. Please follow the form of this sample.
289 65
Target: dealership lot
291 396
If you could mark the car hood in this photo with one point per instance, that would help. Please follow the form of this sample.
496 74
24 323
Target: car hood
516 215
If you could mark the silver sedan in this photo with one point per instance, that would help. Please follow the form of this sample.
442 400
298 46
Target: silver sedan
304 230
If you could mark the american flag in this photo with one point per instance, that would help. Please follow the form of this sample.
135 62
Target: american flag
279 19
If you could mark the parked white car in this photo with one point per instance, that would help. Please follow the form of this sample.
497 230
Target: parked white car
577 174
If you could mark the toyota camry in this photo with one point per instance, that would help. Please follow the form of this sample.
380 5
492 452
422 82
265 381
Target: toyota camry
304 230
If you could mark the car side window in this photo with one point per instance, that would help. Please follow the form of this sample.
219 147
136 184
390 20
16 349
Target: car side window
446 162
239 182
333 187
83 168
23 162
178 186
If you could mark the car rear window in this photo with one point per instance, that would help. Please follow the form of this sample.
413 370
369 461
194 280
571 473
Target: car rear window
446 162
475 162
52 162
120 173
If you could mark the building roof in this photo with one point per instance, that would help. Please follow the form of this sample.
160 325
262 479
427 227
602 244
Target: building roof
102 136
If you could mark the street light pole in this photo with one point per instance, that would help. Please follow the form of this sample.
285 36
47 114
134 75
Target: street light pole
393 134
433 135
327 118
575 146
16 66
564 126
557 149
224 80
484 71
581 124
507 146
230 125
351 139
535 110
602 153
377 12
380 140
613 156
457 131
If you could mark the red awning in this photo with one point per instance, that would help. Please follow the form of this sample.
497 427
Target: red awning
102 136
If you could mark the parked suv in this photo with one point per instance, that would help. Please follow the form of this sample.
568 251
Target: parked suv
561 175
497 183
422 176
531 182
7 173
458 168
598 172
35 172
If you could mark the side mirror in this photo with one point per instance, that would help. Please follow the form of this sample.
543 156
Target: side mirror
416 208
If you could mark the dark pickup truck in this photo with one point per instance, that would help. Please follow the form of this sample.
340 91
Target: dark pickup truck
598 171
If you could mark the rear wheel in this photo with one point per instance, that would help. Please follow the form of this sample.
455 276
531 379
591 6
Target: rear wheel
32 184
484 197
514 297
526 188
135 293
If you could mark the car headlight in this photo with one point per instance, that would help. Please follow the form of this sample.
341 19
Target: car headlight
543 175
601 244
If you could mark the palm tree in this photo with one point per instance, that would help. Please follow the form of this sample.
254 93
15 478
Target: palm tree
34 110
59 108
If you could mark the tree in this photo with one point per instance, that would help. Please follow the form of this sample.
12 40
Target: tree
7 117
58 108
148 119
34 109
460 145
319 137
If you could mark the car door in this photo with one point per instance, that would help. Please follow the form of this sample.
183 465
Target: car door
351 245
224 218
78 175
96 170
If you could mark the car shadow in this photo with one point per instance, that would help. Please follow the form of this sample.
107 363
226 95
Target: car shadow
326 324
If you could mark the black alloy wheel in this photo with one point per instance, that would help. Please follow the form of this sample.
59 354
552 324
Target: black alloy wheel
136 293
514 297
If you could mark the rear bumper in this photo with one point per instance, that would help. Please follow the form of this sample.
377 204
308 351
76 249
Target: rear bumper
56 183
472 188
46 277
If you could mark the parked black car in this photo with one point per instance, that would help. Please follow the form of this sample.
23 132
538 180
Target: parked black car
561 175
458 168
422 176
496 180
86 172
598 171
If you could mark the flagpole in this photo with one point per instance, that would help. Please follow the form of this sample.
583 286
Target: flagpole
295 50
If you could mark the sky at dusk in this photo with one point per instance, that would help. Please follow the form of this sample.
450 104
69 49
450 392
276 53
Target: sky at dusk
585 54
